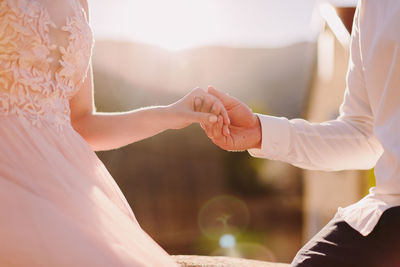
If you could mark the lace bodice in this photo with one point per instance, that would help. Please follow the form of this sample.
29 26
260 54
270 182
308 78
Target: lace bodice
38 76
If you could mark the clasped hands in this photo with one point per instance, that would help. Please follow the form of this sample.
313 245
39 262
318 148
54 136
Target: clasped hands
227 121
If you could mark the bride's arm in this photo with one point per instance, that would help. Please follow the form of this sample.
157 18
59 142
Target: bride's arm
104 131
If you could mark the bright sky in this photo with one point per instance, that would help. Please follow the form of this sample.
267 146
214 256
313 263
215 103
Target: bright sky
177 24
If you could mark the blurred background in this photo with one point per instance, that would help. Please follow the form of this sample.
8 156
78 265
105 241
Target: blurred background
283 58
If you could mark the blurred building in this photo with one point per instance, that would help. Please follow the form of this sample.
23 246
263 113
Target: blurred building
324 192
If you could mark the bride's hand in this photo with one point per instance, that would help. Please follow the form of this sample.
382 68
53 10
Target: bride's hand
182 113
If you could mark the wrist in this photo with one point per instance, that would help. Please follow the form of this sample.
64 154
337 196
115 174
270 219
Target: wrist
257 133
173 117
162 117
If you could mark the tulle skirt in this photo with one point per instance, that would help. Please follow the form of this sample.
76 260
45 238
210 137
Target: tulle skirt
59 206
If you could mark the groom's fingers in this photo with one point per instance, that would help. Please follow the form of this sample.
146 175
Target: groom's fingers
226 130
224 114
227 100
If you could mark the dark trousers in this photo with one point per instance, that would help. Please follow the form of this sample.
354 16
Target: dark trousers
339 245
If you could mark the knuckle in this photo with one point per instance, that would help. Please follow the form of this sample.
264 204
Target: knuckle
213 98
198 91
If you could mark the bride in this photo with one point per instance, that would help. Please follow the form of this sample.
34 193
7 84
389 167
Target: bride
59 206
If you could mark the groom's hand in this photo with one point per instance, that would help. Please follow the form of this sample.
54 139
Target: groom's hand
244 130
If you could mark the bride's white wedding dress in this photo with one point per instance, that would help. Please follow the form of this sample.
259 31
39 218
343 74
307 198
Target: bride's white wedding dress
59 206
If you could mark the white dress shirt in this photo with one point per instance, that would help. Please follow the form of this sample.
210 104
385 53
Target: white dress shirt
367 132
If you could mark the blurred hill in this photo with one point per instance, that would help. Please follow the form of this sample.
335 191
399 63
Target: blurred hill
273 80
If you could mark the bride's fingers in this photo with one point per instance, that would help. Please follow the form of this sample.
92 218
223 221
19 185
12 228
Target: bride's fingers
201 117
219 109
216 109
207 125
217 128
215 131
197 103
207 104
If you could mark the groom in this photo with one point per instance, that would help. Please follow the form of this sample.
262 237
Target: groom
338 243
364 135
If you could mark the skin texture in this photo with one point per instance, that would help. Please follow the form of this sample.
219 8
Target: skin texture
104 131
244 130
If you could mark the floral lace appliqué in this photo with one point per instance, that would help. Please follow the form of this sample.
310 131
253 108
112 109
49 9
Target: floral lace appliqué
29 87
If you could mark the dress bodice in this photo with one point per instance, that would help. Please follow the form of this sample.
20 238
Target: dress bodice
38 75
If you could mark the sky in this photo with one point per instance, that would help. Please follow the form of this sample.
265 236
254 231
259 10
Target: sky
180 24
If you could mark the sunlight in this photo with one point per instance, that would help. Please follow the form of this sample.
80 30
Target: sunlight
173 30
176 44
344 3
181 24
329 14
326 56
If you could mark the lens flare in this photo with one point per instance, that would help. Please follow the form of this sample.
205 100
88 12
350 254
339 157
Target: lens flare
227 241
223 215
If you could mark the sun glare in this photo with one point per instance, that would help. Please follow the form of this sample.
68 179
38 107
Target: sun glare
328 12
171 28
181 24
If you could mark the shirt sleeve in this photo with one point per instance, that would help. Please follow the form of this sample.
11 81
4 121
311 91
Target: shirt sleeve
347 142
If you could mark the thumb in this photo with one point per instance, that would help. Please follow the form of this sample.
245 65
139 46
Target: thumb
227 100
203 117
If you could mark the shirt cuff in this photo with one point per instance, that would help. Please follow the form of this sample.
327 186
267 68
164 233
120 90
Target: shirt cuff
275 138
